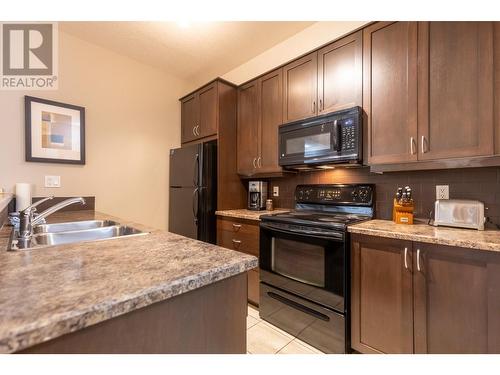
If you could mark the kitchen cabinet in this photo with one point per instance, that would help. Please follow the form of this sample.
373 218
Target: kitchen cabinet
200 111
242 235
259 116
451 118
382 316
340 73
248 127
455 80
300 88
390 91
410 297
456 299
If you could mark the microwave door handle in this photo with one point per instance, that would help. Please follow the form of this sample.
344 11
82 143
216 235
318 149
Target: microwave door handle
336 136
332 236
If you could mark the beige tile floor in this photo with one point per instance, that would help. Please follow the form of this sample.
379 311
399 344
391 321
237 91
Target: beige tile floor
264 338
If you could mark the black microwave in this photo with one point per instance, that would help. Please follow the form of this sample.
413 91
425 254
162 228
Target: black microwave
335 138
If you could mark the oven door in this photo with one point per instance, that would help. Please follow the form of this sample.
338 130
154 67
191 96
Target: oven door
310 265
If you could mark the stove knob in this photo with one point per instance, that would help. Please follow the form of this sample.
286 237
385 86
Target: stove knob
354 195
300 194
363 194
308 193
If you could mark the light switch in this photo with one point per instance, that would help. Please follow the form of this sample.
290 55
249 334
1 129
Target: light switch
276 191
52 181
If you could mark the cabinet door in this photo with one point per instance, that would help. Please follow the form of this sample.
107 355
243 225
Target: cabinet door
457 300
248 128
340 74
300 81
455 89
208 110
271 117
189 118
390 91
381 295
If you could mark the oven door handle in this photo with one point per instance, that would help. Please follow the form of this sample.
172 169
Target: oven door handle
298 306
330 236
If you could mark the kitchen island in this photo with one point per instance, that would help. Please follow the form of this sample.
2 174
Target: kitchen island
155 293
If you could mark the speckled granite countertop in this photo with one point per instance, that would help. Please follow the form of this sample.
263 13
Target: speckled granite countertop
249 214
421 232
5 199
48 292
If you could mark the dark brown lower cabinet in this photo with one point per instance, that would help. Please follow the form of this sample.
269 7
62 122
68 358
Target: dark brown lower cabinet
456 300
435 299
381 296
242 235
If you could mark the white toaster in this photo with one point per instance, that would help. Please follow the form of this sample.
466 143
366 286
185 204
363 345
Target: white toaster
459 213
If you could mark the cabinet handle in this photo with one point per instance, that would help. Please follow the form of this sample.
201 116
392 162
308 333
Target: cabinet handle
314 106
236 242
424 141
418 260
321 105
406 261
236 226
259 162
254 161
412 145
197 129
194 131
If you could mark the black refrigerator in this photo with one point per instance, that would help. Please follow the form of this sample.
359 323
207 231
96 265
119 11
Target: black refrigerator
193 191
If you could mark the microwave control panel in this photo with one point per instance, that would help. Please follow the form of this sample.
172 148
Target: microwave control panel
348 134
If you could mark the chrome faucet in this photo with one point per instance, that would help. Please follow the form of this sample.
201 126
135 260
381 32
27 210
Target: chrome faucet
27 218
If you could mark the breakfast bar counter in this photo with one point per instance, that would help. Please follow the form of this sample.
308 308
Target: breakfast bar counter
78 292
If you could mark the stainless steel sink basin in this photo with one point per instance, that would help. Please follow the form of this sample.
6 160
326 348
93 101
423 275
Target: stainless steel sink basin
105 232
72 226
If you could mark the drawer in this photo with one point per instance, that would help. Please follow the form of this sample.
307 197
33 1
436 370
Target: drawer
244 242
238 226
253 286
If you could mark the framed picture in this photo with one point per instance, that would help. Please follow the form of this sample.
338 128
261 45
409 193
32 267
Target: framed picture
55 132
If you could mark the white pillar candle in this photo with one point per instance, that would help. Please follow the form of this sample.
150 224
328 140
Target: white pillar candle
23 195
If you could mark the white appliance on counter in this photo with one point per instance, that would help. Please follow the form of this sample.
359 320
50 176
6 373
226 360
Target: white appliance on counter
459 213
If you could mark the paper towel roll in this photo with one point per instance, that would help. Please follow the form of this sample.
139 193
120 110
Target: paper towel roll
23 195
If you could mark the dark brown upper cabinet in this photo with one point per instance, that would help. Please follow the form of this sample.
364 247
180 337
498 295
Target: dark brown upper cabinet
455 83
200 112
271 117
410 297
451 117
259 116
248 128
340 73
208 110
390 91
300 88
189 118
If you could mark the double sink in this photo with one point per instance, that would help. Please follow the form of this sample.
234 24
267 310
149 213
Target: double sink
74 232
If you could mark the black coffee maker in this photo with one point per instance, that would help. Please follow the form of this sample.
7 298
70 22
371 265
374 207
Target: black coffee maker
257 195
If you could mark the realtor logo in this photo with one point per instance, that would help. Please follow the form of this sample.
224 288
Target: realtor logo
29 56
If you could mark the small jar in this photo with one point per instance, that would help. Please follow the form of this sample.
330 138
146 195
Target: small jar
269 204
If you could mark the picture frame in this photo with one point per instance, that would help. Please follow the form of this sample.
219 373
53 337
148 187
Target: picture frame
54 131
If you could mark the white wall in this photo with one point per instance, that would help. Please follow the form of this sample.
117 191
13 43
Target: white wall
132 120
306 40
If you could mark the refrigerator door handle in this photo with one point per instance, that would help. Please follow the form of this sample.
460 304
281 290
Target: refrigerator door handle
195 205
196 169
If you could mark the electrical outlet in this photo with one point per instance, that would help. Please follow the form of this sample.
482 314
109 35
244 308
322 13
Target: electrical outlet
442 192
52 181
276 191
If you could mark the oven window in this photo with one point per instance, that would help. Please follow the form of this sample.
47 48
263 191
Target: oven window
301 261
308 144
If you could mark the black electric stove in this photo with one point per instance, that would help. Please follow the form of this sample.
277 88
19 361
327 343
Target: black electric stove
304 263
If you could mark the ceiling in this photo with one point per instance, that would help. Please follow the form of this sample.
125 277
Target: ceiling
195 52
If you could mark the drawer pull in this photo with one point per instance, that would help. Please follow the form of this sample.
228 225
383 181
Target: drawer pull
236 226
298 306
236 242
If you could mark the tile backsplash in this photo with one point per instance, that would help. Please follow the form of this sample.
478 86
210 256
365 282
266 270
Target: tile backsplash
470 183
